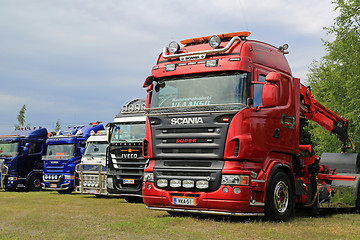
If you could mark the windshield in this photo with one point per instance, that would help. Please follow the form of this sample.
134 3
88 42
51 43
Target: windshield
222 92
60 151
95 149
128 132
9 149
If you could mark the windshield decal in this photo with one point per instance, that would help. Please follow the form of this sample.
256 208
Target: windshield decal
193 101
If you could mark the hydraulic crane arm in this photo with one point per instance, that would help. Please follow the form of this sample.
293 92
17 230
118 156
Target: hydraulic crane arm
330 121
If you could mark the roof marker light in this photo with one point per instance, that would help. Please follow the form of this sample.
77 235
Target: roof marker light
211 63
170 67
214 41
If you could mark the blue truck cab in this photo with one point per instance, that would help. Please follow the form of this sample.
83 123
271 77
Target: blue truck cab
21 159
64 152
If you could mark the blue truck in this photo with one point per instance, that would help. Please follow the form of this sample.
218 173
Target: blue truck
21 159
64 152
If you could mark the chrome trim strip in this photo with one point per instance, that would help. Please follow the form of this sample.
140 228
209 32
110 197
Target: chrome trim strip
259 181
257 204
165 50
207 212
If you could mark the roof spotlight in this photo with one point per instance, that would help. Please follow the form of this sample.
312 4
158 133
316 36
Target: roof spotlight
173 47
214 41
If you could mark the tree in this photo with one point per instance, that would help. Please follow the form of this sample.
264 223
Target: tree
57 126
21 117
335 78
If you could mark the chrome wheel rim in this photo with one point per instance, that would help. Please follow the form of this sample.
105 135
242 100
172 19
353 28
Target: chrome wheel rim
281 197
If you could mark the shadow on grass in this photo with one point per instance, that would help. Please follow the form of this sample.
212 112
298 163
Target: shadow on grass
304 213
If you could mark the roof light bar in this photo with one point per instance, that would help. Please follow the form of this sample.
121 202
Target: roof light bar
235 37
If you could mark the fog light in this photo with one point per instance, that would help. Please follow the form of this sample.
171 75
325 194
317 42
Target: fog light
225 190
202 184
188 184
175 183
237 190
173 47
162 183
214 41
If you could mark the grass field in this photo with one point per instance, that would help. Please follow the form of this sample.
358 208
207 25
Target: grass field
49 215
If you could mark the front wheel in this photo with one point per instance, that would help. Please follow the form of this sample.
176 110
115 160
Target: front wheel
279 203
34 183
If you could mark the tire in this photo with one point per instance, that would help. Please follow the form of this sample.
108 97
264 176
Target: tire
67 191
279 201
34 183
134 199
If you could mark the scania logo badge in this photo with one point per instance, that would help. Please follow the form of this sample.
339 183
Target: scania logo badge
188 120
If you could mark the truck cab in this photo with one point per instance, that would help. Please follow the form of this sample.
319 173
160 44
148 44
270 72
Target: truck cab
92 169
20 157
124 157
64 152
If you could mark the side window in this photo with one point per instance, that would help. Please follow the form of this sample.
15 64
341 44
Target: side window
258 91
35 147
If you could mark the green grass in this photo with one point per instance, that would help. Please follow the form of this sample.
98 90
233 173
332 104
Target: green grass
49 215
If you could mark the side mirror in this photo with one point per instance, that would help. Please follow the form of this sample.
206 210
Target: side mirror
270 89
82 151
26 149
149 80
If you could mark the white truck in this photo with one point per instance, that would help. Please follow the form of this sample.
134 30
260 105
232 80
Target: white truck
92 169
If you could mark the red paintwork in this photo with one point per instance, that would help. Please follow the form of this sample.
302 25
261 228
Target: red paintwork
252 127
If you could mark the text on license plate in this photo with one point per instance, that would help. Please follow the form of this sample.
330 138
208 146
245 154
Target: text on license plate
128 181
53 185
188 201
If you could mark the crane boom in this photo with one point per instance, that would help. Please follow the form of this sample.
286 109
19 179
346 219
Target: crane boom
311 109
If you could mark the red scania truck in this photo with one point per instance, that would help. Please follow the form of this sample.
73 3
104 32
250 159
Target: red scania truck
223 130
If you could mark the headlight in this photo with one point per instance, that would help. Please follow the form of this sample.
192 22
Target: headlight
162 183
174 47
235 180
214 41
68 177
148 177
12 178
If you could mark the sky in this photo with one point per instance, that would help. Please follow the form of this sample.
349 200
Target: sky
80 61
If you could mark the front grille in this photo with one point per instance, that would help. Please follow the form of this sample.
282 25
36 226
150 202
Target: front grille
54 168
202 140
127 165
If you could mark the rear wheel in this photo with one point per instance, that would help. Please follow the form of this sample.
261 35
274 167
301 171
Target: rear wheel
34 183
279 203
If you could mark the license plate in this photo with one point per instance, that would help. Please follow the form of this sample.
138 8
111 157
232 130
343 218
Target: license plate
128 181
53 185
93 191
188 201
193 57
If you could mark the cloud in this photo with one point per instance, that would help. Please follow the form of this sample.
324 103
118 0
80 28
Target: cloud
80 61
